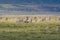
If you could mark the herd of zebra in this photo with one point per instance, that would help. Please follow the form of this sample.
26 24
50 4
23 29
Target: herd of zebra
29 19
26 20
37 19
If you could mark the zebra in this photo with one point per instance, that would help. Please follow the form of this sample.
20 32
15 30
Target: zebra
27 20
19 20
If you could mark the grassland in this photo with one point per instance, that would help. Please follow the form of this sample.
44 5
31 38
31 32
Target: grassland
30 31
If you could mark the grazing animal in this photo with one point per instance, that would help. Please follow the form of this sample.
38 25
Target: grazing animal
27 20
19 20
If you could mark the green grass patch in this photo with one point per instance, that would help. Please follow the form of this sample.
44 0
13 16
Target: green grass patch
30 31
